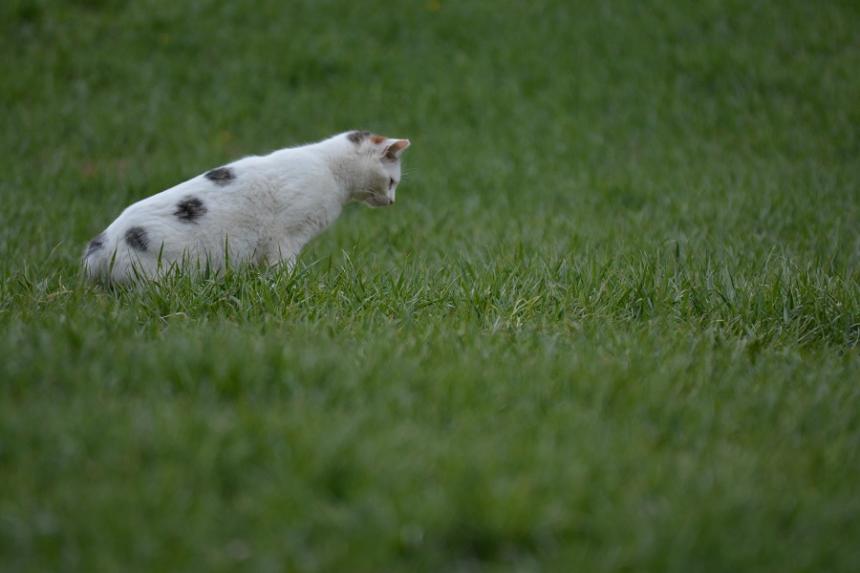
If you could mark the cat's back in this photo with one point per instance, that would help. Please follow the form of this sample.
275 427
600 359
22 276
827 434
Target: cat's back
278 176
256 186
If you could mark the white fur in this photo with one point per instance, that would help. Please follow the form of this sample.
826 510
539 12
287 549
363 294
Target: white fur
266 214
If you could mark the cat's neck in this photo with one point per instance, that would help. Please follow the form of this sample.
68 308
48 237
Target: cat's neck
339 157
329 160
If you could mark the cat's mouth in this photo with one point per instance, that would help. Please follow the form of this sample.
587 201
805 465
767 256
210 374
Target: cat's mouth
379 201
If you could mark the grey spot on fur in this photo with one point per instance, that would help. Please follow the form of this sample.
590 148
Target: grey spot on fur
190 209
137 238
221 176
96 244
358 136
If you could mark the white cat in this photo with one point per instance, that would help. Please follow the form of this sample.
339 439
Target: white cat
259 209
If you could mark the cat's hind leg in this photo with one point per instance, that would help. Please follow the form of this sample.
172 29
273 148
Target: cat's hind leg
281 253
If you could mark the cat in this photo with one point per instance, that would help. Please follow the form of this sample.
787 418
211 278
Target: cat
259 209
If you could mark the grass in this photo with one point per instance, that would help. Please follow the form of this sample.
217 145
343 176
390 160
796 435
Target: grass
612 323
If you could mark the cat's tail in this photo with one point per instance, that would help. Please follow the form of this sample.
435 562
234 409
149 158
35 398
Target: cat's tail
98 258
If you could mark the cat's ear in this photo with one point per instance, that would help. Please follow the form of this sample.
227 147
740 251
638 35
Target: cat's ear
394 147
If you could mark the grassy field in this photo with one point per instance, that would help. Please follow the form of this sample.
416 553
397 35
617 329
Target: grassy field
612 323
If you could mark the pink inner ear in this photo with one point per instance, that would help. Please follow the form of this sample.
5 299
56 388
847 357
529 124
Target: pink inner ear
395 149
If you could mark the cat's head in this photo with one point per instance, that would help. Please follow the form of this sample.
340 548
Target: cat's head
377 166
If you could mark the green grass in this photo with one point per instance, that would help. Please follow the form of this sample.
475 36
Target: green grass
612 323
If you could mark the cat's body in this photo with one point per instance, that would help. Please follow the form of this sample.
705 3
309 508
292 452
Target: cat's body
260 209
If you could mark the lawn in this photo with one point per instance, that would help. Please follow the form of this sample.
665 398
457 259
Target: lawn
612 323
